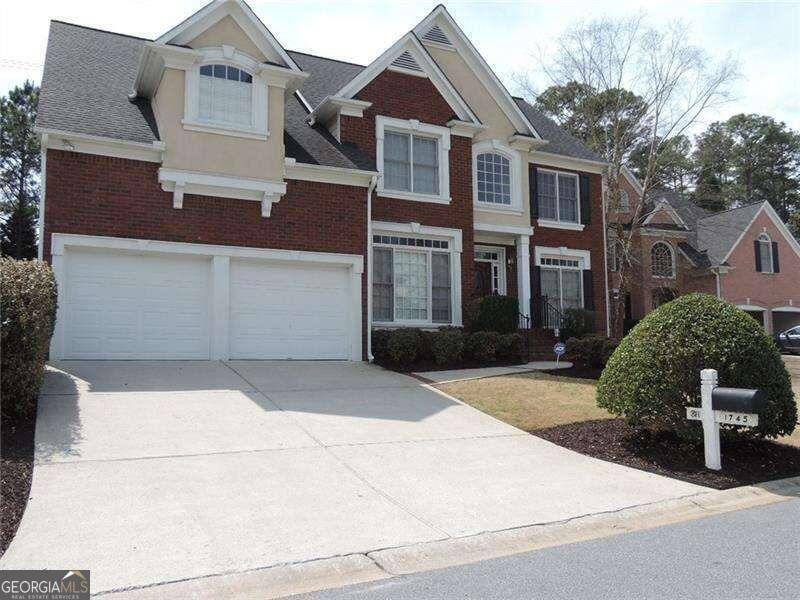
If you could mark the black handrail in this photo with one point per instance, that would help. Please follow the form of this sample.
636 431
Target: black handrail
544 313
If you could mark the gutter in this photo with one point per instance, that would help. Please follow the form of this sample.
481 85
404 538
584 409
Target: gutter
372 184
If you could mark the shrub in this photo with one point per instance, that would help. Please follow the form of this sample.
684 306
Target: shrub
482 345
380 344
590 350
509 346
28 300
494 313
404 345
576 322
654 374
447 346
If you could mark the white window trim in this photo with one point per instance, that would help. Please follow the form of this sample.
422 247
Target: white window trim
412 126
229 56
453 237
558 223
497 147
674 261
769 268
585 256
500 263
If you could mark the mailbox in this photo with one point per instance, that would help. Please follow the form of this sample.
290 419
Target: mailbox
738 400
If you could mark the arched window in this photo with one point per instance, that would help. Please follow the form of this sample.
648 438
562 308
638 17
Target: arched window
765 253
494 178
662 260
226 95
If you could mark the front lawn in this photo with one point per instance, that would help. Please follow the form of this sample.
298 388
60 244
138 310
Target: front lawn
530 400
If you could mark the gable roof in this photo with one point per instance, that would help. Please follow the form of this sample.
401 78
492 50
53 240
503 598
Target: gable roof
559 141
718 233
88 74
327 75
444 24
239 11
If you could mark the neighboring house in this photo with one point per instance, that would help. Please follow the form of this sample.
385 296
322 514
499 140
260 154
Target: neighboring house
745 255
210 194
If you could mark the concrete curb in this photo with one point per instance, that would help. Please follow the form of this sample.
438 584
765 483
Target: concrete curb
283 580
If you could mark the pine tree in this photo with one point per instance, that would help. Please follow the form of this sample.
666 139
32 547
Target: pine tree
19 171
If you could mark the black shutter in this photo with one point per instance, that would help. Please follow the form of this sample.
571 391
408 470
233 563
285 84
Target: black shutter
588 290
586 207
757 249
536 294
533 191
776 265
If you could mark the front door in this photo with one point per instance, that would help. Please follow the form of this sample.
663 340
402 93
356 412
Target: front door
483 279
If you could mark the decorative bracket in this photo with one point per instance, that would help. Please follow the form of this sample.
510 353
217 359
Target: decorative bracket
177 195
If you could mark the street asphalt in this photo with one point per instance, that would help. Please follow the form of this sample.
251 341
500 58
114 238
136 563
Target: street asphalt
747 554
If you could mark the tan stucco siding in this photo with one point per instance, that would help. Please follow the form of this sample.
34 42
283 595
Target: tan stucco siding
227 31
215 153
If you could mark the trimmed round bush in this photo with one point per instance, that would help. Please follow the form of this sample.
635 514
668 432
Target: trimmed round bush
404 345
447 346
28 299
509 346
494 313
482 346
654 374
576 322
590 350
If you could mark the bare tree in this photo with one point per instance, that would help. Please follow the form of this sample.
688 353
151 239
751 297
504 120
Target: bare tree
675 83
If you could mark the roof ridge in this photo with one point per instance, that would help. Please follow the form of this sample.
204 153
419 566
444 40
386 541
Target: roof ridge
344 62
127 35
727 210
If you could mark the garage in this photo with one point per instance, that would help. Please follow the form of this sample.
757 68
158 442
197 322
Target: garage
141 299
288 311
784 318
128 306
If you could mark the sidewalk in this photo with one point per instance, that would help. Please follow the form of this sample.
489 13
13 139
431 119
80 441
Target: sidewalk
466 374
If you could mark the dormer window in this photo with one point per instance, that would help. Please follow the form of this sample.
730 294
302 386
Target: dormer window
226 95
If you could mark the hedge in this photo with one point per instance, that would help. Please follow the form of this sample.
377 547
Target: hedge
590 350
654 374
493 313
28 300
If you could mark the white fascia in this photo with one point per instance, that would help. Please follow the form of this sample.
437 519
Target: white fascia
548 159
665 206
59 139
382 124
563 252
409 43
324 174
481 69
332 108
515 161
465 128
190 182
767 207
243 15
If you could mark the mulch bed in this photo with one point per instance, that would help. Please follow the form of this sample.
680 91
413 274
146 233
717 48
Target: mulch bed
580 371
16 466
743 462
429 365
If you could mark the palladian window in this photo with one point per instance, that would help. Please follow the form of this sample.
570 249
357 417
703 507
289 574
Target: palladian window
494 178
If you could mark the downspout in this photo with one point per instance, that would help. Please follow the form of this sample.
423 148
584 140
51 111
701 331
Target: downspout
42 187
719 283
372 183
605 257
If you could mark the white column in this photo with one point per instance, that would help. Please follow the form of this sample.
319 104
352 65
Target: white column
524 274
455 283
220 307
708 381
357 326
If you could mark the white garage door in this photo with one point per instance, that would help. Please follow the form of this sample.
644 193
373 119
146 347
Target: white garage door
128 306
284 310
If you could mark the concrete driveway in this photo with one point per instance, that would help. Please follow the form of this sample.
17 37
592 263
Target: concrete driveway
150 472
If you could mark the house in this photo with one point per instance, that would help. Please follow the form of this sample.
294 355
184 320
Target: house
745 255
210 194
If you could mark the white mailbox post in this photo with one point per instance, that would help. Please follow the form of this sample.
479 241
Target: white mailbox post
730 406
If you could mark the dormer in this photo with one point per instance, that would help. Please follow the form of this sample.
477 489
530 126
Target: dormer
218 83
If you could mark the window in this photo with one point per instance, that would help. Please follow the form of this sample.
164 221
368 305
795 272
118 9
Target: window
563 286
411 163
412 158
765 252
624 201
558 196
411 280
226 95
662 261
494 178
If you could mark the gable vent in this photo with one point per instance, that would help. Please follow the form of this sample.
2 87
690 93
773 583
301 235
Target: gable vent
435 34
406 61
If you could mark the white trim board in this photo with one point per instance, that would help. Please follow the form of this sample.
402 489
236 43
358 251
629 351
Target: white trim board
766 206
57 139
510 229
562 252
324 174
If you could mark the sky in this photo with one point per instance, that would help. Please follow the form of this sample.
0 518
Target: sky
513 36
